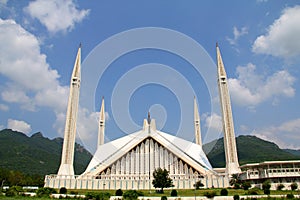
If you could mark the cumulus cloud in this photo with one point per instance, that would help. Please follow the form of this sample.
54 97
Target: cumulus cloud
283 36
237 34
213 121
285 135
251 88
56 15
33 84
26 67
20 126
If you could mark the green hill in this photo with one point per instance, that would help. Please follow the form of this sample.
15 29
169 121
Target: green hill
251 149
36 154
40 155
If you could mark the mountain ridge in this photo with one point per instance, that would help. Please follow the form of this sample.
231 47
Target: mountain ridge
36 154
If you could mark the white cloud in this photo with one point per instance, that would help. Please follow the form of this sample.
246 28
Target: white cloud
56 15
237 34
213 121
251 89
285 135
31 82
17 125
283 36
4 107
3 2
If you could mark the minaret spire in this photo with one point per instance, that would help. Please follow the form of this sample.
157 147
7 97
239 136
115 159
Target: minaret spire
197 124
232 163
66 166
101 129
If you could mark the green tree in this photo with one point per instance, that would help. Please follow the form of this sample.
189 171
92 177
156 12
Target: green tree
266 187
294 186
246 185
235 181
198 184
161 179
280 186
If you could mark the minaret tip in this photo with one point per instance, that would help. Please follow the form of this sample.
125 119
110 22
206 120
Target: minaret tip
217 45
80 45
149 118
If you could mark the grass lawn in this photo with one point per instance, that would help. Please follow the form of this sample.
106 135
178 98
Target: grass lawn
182 193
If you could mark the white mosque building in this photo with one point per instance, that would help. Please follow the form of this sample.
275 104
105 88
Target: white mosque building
128 162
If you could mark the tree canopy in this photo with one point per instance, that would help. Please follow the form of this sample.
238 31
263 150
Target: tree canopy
161 179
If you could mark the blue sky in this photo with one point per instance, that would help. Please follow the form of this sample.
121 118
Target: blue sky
151 55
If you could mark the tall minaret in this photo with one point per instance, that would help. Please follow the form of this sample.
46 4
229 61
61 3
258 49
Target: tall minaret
232 163
101 124
197 124
66 166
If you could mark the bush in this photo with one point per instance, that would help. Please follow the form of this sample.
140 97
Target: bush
132 194
246 185
224 192
63 190
174 193
11 193
119 192
280 186
236 197
198 184
210 194
253 191
163 198
46 191
290 196
266 187
294 186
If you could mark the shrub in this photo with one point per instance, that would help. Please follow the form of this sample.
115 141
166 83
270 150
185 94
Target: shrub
97 195
290 196
280 186
253 191
63 190
294 186
132 194
224 192
11 193
246 185
236 197
266 187
174 193
198 184
73 192
119 192
210 194
46 191
163 198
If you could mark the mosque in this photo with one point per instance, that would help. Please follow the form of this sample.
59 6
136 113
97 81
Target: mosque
128 162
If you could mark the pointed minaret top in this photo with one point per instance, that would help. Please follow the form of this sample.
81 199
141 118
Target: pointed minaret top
102 112
197 124
221 69
149 118
77 65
